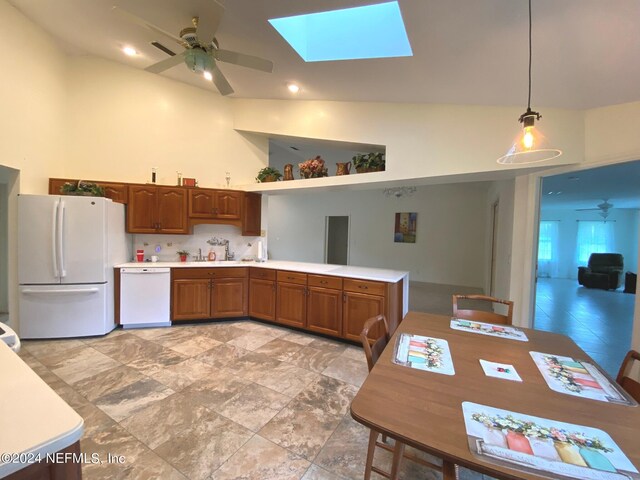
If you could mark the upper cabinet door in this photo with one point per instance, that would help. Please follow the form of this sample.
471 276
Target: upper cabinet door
172 210
201 203
142 216
228 204
252 214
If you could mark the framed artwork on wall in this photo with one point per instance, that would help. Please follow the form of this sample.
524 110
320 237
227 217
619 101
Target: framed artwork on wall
405 227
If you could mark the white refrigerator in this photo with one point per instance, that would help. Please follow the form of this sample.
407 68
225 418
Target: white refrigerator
67 249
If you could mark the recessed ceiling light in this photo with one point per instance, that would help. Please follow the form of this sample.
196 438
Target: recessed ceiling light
207 75
130 51
293 88
370 31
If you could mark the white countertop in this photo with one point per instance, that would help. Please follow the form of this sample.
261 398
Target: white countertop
34 419
362 273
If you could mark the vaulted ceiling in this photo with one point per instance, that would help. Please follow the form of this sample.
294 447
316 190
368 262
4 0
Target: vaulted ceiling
465 51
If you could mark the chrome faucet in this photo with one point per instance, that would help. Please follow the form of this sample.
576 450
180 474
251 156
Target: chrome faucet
199 258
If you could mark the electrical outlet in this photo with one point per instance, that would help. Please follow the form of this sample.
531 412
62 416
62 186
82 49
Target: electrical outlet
263 233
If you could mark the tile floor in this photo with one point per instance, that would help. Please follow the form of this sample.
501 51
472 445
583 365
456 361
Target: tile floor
231 400
599 321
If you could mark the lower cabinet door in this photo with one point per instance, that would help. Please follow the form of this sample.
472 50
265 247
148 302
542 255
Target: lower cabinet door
358 308
229 298
291 305
191 299
324 310
262 299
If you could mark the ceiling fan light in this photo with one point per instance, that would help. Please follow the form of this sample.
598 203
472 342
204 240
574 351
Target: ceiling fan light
207 75
293 88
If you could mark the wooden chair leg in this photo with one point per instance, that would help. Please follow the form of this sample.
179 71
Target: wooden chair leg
448 471
396 463
373 436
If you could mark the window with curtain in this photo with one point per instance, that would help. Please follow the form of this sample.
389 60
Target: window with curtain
594 237
548 261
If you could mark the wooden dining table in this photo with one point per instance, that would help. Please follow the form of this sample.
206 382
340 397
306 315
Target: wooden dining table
423 409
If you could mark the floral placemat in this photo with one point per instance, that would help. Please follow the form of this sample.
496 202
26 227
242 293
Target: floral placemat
502 331
424 353
579 378
544 447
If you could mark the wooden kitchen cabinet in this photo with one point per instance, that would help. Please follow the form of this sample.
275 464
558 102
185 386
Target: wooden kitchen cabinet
198 293
229 298
215 204
155 209
190 299
262 293
228 204
252 215
363 299
291 298
324 304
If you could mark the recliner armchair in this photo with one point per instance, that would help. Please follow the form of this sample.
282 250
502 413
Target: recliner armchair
604 271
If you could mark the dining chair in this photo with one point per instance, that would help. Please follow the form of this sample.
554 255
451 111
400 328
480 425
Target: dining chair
482 315
378 328
631 386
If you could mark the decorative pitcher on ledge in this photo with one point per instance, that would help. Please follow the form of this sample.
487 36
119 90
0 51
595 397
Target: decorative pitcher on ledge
288 172
343 168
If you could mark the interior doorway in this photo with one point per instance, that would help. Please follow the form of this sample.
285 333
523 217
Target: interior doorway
581 213
337 240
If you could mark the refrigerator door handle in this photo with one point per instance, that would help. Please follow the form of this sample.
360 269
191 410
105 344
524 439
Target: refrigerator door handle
59 291
60 238
54 239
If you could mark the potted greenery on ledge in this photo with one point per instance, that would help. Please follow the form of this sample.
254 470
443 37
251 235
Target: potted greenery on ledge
268 174
369 162
81 188
183 255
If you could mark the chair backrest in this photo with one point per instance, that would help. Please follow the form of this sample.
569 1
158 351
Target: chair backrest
481 315
373 347
631 386
606 262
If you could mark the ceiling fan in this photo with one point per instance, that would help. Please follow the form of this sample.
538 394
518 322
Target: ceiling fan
604 208
199 55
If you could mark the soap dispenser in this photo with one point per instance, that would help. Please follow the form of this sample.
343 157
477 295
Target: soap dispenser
212 255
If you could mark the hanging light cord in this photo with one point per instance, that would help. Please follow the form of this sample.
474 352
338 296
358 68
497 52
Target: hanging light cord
530 55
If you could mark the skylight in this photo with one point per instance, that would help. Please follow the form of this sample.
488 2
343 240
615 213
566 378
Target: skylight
372 31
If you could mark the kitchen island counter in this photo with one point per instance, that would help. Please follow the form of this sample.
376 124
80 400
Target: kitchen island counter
35 420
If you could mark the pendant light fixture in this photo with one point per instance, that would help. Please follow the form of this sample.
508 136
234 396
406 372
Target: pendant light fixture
530 145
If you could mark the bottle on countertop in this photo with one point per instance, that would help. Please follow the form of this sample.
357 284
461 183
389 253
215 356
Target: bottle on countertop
212 255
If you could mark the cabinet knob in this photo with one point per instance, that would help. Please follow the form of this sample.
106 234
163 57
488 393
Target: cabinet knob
364 287
323 282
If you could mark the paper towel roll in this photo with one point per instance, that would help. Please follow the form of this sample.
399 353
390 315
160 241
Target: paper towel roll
260 251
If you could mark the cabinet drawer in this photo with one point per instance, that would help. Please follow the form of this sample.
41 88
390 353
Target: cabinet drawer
364 286
325 281
292 277
262 273
203 272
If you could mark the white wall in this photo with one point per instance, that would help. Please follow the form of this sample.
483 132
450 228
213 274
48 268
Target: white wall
625 229
450 245
124 121
611 133
503 193
32 100
421 140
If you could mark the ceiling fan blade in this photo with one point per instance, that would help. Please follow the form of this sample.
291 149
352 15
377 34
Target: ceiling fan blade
166 64
221 82
143 23
243 60
586 209
208 24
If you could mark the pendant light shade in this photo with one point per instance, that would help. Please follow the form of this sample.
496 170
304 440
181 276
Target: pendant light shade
530 146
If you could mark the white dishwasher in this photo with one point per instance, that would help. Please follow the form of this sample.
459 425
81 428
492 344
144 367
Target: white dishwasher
144 297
